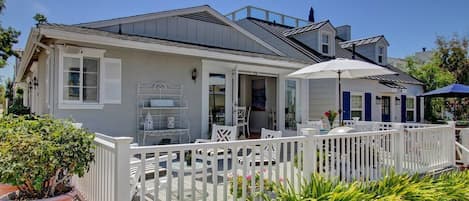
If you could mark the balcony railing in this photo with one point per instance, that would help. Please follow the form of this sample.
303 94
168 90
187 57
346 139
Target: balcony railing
266 15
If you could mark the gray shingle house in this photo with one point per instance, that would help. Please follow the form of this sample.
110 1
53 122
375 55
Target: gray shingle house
90 72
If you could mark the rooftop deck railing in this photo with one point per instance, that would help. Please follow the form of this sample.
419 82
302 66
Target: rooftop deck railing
266 15
234 170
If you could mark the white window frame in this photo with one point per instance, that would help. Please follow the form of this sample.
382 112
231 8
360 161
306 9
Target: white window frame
362 109
329 42
411 109
79 104
378 54
297 101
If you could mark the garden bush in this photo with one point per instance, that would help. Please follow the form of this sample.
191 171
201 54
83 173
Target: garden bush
39 155
447 186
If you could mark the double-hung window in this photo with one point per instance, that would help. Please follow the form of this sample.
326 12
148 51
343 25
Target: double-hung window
380 54
325 49
356 109
81 79
410 108
88 80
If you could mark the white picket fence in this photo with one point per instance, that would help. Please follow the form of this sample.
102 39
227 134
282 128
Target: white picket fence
226 171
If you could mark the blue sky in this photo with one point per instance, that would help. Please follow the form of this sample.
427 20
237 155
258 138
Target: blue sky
408 25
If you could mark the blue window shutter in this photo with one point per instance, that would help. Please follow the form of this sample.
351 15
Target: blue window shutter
418 119
403 108
346 105
367 106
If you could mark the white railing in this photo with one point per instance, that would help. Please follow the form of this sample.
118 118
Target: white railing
233 170
427 149
102 182
462 146
266 15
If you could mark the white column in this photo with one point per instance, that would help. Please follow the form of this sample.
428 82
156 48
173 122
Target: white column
309 152
122 165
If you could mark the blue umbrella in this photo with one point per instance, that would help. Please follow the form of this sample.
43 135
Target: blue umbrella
454 90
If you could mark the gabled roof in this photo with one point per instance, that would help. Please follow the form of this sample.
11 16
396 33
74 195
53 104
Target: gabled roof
363 41
309 27
204 13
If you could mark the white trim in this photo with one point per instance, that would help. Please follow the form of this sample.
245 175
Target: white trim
330 44
177 12
79 104
414 110
362 109
102 40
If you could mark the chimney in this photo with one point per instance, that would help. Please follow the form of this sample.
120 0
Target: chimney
344 32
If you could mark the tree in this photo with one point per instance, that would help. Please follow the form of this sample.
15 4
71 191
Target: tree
433 77
8 37
40 18
453 54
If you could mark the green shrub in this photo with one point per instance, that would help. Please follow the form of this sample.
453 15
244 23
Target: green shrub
448 186
39 155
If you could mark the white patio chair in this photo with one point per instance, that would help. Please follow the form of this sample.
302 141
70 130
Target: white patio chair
309 124
243 115
265 134
136 172
219 134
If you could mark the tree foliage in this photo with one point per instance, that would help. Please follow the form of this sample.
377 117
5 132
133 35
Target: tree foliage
40 18
8 37
452 54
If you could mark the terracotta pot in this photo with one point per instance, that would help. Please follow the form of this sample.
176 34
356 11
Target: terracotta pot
5 190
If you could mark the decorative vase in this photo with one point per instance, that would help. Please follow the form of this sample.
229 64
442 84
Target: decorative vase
171 122
148 125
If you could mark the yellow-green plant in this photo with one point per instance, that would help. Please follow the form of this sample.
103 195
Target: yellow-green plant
39 155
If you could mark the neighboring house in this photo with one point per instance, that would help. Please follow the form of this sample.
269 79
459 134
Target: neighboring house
89 72
421 57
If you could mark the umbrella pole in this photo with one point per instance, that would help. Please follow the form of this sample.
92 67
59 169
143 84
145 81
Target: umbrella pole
340 100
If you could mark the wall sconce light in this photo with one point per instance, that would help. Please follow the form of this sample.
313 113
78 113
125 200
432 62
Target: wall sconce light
30 85
398 101
194 74
35 82
378 100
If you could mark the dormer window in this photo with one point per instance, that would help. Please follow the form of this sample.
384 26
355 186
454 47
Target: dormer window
380 54
325 43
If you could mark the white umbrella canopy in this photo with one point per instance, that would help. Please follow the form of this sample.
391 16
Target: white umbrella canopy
348 68
340 68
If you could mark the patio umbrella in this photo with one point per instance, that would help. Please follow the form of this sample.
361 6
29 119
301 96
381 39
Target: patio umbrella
340 68
454 90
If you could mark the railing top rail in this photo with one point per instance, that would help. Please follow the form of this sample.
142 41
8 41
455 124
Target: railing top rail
208 145
251 8
428 128
359 134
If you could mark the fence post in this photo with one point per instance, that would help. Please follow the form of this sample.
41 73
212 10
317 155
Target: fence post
399 147
452 143
122 165
309 152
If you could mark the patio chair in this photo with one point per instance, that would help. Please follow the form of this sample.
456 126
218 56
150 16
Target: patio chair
309 124
265 134
243 116
219 134
136 172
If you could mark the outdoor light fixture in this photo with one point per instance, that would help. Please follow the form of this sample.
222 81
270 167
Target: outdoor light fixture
35 82
378 100
194 74
30 85
398 101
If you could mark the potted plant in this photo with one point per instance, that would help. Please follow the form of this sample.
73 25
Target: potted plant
331 115
40 155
